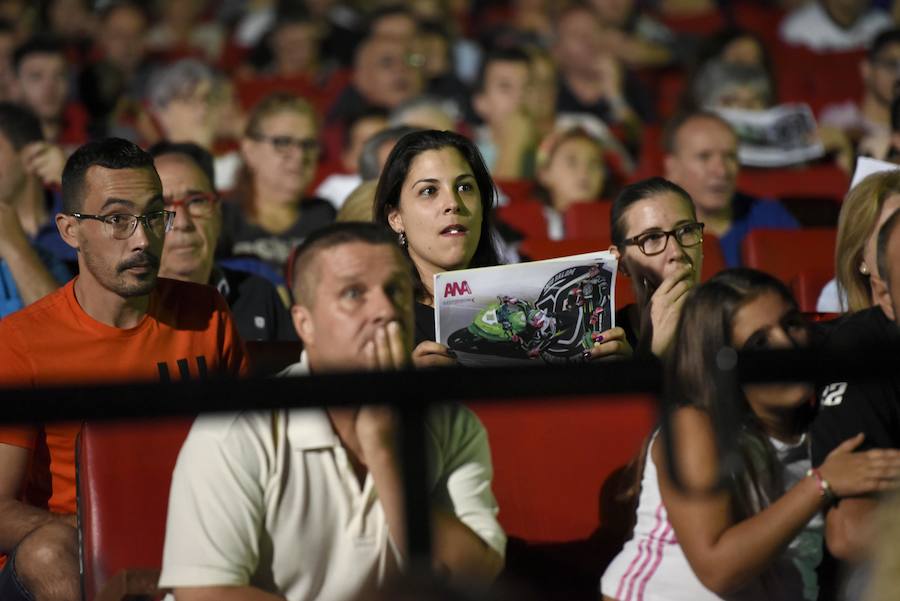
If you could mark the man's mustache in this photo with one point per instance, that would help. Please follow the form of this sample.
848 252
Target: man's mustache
142 259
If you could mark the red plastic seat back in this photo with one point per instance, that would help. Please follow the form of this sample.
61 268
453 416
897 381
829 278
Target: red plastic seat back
807 286
124 471
588 219
787 253
551 459
526 217
828 182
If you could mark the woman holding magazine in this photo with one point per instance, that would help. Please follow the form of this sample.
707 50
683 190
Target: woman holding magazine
436 194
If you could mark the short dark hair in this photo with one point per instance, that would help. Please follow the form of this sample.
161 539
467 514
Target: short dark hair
20 125
883 39
399 162
37 44
336 234
369 166
193 152
369 112
678 121
636 192
497 55
110 153
884 238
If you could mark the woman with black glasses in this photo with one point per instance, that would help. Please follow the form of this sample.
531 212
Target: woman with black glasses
280 150
658 241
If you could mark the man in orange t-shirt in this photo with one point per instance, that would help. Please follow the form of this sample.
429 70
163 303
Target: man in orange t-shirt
115 322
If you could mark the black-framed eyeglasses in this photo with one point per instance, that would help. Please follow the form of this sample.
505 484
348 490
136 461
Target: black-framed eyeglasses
121 226
286 143
655 241
198 204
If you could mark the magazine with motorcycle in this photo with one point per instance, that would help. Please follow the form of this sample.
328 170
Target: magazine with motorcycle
546 311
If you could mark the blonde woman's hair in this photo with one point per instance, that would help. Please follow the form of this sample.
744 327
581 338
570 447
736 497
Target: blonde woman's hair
856 224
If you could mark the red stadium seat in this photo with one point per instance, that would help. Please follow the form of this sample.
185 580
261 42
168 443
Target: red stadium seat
516 190
826 181
551 459
788 253
123 473
807 286
526 217
588 219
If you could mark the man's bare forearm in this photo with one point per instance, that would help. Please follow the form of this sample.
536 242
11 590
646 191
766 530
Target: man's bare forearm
461 552
32 278
849 528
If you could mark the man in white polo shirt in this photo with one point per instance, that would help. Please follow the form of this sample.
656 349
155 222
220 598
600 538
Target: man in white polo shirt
303 505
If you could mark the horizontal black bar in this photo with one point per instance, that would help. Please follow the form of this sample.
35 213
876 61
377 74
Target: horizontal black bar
518 384
150 399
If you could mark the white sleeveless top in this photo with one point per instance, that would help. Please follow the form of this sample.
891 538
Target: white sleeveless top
652 566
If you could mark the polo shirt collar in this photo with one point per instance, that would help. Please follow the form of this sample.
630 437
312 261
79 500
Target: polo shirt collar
308 429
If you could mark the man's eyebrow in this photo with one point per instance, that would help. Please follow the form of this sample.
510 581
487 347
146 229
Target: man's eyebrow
130 204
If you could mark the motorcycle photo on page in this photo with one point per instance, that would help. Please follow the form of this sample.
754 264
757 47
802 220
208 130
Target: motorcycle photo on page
550 311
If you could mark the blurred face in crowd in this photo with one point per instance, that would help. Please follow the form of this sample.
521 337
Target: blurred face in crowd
663 212
190 245
574 172
505 87
13 176
704 162
296 48
768 321
353 290
122 38
440 211
361 130
191 117
43 85
128 267
882 73
383 73
284 154
739 96
577 41
613 13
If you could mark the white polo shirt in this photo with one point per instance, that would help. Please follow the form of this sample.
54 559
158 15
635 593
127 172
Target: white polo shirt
270 499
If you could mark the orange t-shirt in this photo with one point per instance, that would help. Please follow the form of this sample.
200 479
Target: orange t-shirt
188 332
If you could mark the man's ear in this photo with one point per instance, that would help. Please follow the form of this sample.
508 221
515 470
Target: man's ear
68 229
614 250
248 148
881 294
303 324
395 220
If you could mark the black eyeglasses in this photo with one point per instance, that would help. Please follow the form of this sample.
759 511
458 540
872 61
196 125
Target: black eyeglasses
121 226
655 241
286 143
197 205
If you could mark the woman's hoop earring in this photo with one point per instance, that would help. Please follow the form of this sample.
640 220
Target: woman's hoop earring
401 239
